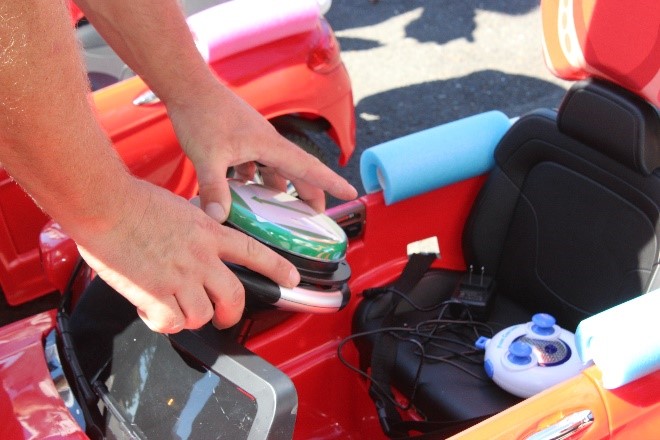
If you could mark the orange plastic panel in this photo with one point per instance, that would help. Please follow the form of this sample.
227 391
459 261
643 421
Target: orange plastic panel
611 39
545 409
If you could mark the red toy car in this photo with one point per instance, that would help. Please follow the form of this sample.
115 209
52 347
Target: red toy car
566 221
283 61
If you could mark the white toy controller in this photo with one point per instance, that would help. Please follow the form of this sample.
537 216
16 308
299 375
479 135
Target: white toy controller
528 358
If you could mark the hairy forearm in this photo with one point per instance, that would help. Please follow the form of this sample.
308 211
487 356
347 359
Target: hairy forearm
50 141
153 38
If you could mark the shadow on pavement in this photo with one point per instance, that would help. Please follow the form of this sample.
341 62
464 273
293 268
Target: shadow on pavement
398 112
440 21
401 111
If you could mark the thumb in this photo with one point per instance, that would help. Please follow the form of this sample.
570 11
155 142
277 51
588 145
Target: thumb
214 193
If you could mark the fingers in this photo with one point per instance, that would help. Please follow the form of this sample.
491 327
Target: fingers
222 300
163 315
214 190
248 252
245 171
228 296
196 306
299 166
173 313
272 179
312 195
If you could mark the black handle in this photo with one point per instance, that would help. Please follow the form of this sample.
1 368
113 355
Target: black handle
307 299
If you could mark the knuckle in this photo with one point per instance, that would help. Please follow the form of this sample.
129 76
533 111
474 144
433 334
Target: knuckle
199 319
253 248
206 224
236 294
161 318
229 311
200 253
208 178
208 315
164 324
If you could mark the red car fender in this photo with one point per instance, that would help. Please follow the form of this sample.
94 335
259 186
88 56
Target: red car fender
28 393
59 255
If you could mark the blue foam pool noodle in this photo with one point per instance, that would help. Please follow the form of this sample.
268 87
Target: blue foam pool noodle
432 158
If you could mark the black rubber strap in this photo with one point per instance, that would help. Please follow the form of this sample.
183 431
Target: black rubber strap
383 360
383 356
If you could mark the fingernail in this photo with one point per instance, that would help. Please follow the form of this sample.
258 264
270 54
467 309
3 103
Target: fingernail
216 212
294 277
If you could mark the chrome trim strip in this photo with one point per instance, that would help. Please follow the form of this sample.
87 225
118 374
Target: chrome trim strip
566 427
61 383
147 98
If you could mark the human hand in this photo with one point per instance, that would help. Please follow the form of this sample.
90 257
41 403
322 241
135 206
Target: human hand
164 256
220 131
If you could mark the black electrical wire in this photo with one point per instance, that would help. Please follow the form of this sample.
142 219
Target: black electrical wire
422 357
409 300
424 333
382 388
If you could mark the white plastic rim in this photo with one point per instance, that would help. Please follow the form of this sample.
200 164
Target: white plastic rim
324 6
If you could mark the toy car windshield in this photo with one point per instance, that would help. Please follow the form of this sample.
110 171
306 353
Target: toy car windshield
195 384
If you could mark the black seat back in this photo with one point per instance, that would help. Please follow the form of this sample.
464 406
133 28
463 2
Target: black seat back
568 220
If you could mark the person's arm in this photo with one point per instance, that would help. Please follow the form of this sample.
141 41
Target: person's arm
155 248
216 128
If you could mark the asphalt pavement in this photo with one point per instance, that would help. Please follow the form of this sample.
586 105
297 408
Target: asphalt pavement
415 64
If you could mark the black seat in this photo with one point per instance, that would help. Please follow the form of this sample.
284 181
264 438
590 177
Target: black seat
567 223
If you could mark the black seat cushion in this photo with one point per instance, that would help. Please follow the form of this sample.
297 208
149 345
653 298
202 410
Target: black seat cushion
473 396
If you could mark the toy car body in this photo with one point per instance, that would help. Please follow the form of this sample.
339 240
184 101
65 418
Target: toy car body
333 401
292 74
